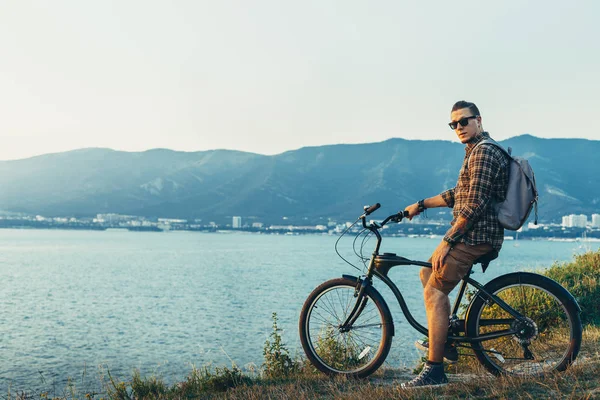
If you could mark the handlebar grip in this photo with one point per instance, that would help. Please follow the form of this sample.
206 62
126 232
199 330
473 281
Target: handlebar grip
372 208
400 216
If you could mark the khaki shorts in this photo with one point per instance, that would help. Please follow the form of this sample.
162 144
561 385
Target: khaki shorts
456 265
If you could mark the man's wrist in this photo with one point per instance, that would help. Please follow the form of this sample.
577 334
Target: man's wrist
449 241
421 205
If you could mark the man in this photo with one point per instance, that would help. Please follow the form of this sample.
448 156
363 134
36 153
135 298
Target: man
475 232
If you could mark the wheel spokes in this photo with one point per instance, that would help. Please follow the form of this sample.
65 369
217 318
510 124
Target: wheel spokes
350 349
544 334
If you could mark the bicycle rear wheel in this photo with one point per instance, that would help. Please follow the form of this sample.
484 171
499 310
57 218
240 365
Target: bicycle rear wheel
549 337
357 351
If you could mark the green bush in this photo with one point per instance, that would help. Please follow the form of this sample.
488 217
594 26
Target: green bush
199 383
338 352
206 381
144 388
582 278
278 363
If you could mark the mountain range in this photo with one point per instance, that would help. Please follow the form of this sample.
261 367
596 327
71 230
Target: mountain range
308 184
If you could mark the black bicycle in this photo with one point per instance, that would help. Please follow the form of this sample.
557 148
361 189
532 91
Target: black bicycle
518 324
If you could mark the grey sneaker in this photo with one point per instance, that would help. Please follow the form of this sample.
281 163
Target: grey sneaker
431 375
450 351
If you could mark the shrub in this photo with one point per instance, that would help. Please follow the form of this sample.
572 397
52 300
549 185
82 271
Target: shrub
205 381
144 388
337 352
278 363
582 278
197 384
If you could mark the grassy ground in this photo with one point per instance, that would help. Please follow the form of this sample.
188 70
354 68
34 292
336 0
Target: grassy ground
581 381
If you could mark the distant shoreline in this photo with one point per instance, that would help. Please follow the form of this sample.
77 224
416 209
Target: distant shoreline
573 239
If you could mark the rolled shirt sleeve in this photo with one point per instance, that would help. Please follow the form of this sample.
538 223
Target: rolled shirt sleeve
453 235
448 197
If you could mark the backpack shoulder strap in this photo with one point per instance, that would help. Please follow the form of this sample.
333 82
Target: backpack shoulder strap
493 142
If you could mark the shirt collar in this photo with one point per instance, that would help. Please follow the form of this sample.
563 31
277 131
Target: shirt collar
476 139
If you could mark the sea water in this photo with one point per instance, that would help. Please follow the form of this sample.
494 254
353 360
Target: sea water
76 304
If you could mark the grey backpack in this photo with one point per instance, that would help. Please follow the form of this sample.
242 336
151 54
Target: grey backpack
521 195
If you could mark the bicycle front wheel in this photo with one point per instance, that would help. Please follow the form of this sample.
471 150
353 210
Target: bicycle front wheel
357 350
547 339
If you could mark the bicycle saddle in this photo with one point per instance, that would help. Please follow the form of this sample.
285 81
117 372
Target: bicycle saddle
486 259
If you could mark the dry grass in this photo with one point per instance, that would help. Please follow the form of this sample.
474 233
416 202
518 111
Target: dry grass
581 381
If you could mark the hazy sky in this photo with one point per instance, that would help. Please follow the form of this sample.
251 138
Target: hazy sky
271 76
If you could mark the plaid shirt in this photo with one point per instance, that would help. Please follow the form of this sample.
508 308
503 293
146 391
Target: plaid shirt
482 181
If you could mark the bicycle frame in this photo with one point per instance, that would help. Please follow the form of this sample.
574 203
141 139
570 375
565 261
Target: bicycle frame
379 267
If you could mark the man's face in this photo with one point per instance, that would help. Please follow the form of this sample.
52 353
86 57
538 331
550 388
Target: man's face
471 127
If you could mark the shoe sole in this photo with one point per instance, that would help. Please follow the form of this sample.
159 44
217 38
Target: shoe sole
421 347
437 385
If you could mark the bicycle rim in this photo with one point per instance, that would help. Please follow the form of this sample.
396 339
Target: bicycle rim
344 352
547 332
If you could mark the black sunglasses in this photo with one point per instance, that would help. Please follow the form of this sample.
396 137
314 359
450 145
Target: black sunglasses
463 122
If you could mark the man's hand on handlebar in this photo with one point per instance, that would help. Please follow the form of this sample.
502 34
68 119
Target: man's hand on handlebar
394 218
413 210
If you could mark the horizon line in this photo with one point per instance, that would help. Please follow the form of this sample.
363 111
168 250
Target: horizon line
269 155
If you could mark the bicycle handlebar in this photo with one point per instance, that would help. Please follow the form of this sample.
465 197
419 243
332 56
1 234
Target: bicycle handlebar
375 227
372 208
394 217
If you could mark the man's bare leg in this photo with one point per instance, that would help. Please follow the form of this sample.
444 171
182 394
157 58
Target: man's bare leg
438 309
424 275
437 306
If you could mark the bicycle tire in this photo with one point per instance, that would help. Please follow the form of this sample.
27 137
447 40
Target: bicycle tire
554 339
340 353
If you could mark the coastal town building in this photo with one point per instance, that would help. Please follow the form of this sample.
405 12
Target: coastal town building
236 223
172 221
574 221
114 218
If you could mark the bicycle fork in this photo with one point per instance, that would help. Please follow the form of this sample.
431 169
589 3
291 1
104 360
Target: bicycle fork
359 306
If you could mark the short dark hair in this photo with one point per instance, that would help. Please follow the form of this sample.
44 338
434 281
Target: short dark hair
465 104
